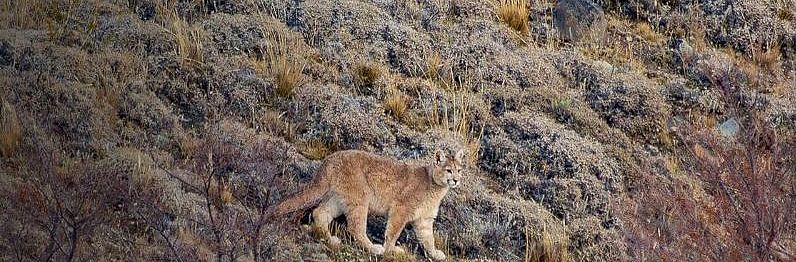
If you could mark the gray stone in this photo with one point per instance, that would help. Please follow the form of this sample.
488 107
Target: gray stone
729 128
576 19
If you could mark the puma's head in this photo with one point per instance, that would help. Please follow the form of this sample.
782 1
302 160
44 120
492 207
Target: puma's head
446 170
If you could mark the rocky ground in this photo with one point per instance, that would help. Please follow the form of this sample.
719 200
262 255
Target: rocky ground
606 130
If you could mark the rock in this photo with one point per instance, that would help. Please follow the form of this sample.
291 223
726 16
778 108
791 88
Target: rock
729 128
576 19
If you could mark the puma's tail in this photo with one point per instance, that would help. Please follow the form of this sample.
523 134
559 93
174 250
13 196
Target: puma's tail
302 200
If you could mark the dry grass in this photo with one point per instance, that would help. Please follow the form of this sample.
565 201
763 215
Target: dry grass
28 14
768 58
285 69
515 14
187 37
396 104
645 31
367 73
545 249
286 72
11 133
315 150
433 65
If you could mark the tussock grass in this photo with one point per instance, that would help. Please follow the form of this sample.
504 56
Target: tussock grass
396 104
188 40
187 37
367 73
315 150
28 14
287 73
645 31
515 14
11 131
547 248
278 63
433 65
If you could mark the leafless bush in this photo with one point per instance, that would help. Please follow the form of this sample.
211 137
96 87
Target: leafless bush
733 199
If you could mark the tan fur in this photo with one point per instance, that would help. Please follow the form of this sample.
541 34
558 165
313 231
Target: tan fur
356 183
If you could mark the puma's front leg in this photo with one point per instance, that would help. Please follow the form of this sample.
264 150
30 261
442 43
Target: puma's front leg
395 224
424 228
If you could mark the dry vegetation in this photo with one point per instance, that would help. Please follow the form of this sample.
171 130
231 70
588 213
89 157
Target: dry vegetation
11 130
166 130
515 14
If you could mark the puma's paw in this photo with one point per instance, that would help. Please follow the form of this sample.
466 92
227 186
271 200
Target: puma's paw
334 242
377 249
437 255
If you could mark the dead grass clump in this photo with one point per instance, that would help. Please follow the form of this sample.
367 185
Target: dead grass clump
286 72
769 58
315 149
396 104
545 249
515 14
645 31
433 65
188 40
187 36
367 73
33 14
11 133
285 69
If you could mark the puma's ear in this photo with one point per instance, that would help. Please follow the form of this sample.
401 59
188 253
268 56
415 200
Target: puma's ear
440 157
459 156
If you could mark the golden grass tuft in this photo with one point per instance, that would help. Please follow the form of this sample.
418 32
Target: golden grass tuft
645 31
315 150
287 74
277 63
367 73
769 58
396 104
11 133
515 14
433 65
546 249
187 37
29 14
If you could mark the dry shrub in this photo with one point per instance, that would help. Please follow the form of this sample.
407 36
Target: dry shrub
10 129
732 200
751 183
238 177
396 104
515 14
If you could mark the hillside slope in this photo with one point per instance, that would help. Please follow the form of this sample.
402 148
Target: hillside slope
147 129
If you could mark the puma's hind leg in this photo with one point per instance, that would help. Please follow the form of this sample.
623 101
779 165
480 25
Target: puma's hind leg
323 216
